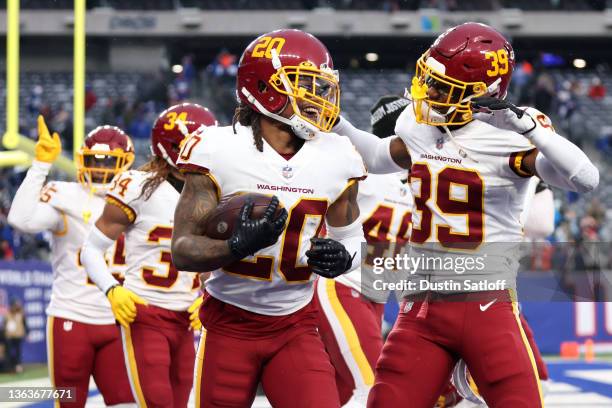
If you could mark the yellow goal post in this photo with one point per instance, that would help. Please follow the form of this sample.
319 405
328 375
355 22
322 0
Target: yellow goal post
21 148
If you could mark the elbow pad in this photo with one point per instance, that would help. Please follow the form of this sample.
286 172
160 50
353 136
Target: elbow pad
583 179
586 178
92 258
574 170
351 236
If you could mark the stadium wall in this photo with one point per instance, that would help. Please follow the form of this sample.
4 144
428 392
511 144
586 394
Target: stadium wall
325 21
552 322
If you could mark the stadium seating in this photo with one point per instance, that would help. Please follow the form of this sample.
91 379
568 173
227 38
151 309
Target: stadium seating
360 90
388 5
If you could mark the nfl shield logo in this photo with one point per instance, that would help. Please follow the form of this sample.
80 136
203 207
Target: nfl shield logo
287 172
67 325
440 143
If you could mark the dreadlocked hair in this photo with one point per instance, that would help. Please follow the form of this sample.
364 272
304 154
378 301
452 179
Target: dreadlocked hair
160 169
247 116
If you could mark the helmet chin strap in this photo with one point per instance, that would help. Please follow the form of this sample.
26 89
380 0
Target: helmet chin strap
300 127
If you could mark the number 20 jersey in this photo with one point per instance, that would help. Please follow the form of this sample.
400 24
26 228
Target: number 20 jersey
468 189
277 280
150 272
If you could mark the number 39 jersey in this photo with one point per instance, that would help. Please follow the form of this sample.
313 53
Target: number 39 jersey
276 281
468 188
150 272
74 296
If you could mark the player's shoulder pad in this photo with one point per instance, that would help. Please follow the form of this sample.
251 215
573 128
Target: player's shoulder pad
406 117
407 128
540 118
61 194
346 153
199 149
499 141
126 187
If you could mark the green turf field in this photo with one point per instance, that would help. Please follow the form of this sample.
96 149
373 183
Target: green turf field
29 372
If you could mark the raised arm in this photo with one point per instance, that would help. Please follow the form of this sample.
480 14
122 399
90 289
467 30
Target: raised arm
381 156
28 213
556 160
341 251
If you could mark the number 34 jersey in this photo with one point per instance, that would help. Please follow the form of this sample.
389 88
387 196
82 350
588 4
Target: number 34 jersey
277 280
150 272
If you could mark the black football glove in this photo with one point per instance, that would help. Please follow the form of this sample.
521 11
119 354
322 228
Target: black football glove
328 258
503 114
251 235
489 104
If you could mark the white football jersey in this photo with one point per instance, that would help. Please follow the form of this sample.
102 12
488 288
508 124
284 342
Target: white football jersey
385 209
150 272
277 280
74 296
468 189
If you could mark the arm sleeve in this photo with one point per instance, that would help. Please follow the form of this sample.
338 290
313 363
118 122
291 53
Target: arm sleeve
375 151
92 258
351 236
560 162
27 212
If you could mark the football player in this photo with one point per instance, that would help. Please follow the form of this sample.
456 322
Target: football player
152 305
469 180
351 317
538 221
82 339
261 324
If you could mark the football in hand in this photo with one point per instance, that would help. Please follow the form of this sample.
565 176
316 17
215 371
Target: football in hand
221 221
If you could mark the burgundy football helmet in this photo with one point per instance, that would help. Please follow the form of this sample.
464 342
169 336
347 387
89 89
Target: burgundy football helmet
174 125
107 151
285 67
469 60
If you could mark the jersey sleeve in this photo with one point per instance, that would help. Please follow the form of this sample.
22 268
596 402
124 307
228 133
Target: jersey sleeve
354 165
199 154
126 192
517 147
31 210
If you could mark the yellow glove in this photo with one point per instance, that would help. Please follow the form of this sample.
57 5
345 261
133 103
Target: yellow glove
47 148
194 314
123 303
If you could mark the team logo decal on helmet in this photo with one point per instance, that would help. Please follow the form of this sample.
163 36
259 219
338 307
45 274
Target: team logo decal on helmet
107 151
465 62
174 125
291 67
